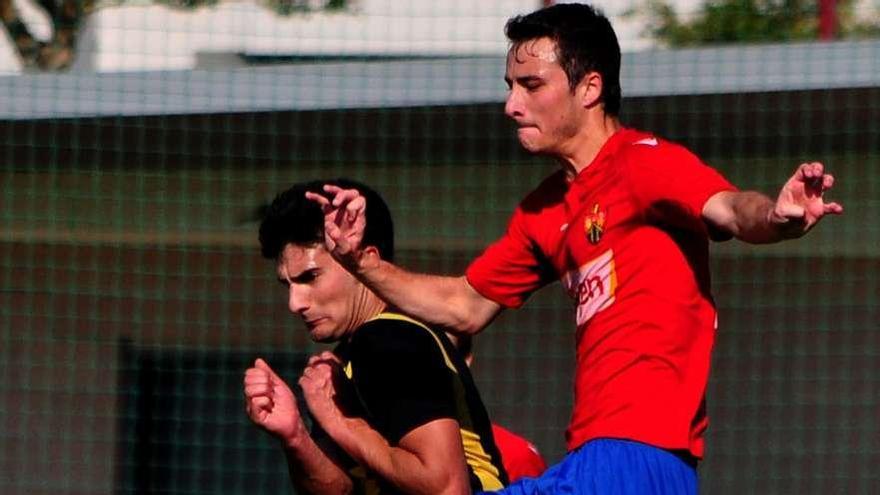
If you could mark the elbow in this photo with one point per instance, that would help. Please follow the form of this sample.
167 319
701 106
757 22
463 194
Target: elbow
469 321
345 487
451 484
472 311
467 325
337 486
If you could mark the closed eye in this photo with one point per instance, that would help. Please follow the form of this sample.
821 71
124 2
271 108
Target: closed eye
306 276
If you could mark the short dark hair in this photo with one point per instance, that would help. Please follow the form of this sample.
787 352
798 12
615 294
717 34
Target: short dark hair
293 219
585 42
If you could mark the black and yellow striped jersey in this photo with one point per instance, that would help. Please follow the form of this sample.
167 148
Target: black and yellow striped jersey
404 375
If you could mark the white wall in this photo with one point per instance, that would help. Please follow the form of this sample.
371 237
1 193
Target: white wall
143 36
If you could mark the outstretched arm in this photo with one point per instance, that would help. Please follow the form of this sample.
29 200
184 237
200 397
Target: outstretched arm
271 405
449 302
753 217
427 460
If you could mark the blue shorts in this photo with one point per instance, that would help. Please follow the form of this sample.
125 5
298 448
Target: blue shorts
613 467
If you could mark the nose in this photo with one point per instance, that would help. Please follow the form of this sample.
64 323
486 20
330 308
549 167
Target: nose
297 299
513 106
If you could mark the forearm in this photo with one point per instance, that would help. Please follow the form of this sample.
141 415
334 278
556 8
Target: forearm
312 471
449 302
408 471
749 216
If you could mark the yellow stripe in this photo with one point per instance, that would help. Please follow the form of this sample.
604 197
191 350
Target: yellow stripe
477 458
479 461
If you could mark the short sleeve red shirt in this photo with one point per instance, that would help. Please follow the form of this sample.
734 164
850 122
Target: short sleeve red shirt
627 240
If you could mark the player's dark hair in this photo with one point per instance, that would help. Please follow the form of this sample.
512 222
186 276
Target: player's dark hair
585 42
293 219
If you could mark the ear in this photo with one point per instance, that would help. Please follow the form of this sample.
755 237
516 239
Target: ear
589 90
371 254
371 250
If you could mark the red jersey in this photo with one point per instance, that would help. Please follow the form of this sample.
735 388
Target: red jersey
520 458
627 240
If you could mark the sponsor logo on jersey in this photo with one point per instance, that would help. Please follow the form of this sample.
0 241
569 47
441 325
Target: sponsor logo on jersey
592 286
594 225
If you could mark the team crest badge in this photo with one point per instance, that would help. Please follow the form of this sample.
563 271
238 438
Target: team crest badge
594 225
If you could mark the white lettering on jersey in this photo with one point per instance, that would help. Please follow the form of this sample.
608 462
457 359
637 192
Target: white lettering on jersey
592 286
647 141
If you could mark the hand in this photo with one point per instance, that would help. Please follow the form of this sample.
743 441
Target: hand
800 204
271 404
344 221
319 388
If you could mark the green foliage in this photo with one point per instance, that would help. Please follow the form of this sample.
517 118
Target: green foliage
730 21
287 7
281 7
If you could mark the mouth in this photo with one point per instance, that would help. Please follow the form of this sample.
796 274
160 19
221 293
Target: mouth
312 323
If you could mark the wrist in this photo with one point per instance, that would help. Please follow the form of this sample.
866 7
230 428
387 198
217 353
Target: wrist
366 261
784 226
775 220
296 440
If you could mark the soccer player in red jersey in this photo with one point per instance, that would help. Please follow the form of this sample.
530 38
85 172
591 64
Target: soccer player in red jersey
625 225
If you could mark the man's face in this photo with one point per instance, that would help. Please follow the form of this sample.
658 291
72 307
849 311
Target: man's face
320 291
540 100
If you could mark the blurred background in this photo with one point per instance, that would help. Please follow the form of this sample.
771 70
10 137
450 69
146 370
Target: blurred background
139 140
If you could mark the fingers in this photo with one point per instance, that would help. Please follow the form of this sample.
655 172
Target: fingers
258 393
262 402
827 182
258 389
263 365
833 208
812 170
259 383
340 195
790 211
317 370
813 173
354 207
254 376
317 198
325 356
318 373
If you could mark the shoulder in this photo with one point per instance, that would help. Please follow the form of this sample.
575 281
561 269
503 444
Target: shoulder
395 334
647 152
545 201
550 191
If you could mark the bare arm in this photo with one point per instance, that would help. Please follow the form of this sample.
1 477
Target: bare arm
753 217
449 302
271 405
427 460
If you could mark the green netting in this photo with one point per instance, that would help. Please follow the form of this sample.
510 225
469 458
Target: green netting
133 295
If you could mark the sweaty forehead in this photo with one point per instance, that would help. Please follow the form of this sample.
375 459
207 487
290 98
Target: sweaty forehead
540 49
295 260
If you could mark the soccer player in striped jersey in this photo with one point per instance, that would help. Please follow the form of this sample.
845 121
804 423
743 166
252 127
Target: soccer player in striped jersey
395 404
